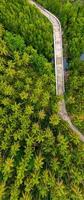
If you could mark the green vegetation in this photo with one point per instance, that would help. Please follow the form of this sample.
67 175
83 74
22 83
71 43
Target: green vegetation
22 19
71 15
40 159
75 96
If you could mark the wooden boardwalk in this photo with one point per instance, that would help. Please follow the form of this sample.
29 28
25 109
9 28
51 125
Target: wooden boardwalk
59 69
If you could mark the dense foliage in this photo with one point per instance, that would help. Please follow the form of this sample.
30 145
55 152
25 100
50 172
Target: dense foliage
75 95
39 157
20 18
71 15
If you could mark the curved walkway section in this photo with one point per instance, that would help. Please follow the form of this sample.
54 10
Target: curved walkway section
59 69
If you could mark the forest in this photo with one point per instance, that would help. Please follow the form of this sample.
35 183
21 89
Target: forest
40 158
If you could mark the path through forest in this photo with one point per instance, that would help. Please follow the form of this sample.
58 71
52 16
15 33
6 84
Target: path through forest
59 69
